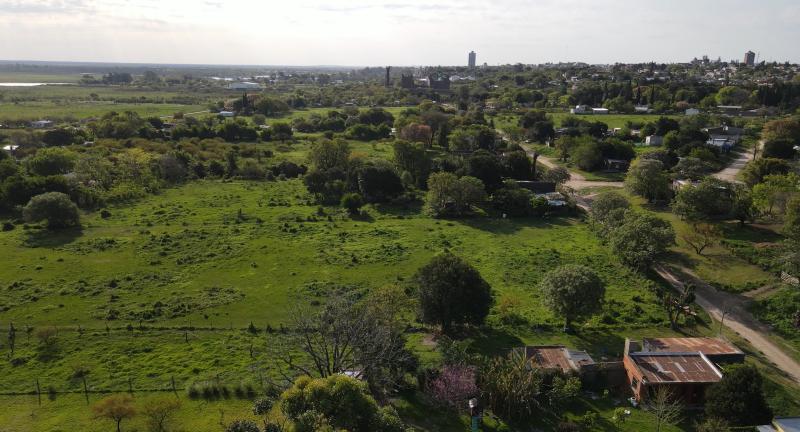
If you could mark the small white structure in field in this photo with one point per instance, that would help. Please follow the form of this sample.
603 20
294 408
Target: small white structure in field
41 124
654 140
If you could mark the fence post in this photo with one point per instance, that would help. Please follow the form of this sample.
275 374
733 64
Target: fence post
172 380
130 385
38 392
85 389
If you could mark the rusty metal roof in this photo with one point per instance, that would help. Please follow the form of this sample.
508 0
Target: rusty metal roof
557 357
676 368
705 345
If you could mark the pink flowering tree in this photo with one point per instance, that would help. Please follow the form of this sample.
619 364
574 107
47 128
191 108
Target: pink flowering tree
454 386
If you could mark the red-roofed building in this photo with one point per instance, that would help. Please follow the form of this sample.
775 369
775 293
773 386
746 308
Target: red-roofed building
685 365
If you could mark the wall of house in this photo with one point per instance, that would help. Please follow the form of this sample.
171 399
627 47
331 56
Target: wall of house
632 373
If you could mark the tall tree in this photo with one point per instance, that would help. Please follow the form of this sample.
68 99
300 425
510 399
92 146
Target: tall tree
116 408
452 292
572 291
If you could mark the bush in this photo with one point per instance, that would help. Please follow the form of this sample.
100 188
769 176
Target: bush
8 226
242 426
352 202
55 207
339 401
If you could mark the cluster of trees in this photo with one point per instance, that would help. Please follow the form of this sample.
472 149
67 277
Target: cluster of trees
335 173
114 171
637 238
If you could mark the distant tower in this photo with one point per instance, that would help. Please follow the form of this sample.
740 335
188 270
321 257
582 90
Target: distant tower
472 58
388 80
750 58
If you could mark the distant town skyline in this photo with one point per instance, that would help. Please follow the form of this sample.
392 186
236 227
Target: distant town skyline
396 32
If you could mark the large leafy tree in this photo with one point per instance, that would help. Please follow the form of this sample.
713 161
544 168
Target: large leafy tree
55 207
739 397
413 159
340 401
452 292
646 177
641 238
51 161
572 291
449 195
711 198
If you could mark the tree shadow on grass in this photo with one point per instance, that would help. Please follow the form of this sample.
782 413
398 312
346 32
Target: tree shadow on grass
407 210
750 233
51 238
498 225
490 341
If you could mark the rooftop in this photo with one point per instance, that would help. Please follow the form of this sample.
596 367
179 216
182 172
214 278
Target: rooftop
787 424
705 345
676 368
558 357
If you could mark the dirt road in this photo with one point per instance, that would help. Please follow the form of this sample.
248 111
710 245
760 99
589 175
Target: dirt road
576 181
736 317
731 171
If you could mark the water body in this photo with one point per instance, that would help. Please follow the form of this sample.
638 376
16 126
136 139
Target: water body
27 84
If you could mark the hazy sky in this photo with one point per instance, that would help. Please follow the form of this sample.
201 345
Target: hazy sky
396 32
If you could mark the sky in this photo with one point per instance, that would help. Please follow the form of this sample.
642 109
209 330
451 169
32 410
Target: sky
396 32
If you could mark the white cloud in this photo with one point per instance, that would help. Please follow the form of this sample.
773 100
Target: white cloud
353 32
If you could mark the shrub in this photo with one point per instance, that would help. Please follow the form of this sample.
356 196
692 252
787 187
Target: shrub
55 207
352 202
242 426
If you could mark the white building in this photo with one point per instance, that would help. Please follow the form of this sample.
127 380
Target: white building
41 124
580 109
226 113
654 140
600 111
244 86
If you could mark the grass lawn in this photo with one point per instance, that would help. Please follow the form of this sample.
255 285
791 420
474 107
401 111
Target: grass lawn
612 120
26 77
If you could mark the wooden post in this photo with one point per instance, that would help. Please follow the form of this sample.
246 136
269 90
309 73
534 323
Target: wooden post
130 385
38 392
172 380
85 389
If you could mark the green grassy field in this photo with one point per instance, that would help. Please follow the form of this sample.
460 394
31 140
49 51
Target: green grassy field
612 120
43 77
145 248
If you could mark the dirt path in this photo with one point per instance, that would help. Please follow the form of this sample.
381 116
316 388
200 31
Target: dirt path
736 317
732 170
577 181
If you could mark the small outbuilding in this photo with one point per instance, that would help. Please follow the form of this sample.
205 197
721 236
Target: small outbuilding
42 124
558 357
